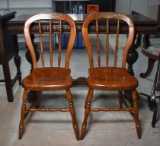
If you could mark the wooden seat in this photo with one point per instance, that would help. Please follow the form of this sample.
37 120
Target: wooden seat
53 73
153 54
106 75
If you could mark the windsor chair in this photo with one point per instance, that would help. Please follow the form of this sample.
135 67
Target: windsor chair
103 76
51 74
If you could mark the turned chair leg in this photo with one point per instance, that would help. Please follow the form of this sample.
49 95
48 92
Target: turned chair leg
87 110
136 113
72 112
23 114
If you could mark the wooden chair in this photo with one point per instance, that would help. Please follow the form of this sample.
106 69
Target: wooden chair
152 52
52 76
102 76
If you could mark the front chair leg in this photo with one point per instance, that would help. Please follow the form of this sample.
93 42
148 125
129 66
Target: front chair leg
72 112
136 112
23 113
87 110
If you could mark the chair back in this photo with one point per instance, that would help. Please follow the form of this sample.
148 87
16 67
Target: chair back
44 23
102 19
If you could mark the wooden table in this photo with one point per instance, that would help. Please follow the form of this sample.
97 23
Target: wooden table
8 50
143 25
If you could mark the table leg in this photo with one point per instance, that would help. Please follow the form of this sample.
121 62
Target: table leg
17 61
133 54
8 81
149 69
132 57
146 42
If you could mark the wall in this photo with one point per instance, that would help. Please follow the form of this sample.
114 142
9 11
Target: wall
26 6
123 6
144 7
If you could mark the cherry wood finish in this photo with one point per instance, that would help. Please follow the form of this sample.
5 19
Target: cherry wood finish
109 77
48 75
8 50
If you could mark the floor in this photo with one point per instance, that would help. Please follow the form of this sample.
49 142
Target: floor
55 129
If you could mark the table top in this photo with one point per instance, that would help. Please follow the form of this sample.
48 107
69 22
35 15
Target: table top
5 12
143 25
80 17
6 15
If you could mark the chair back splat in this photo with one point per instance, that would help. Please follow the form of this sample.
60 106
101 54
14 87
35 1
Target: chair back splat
98 18
52 71
108 62
43 26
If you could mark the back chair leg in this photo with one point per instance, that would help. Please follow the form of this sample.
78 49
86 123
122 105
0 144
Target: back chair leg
136 112
38 95
120 99
87 110
23 113
72 112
